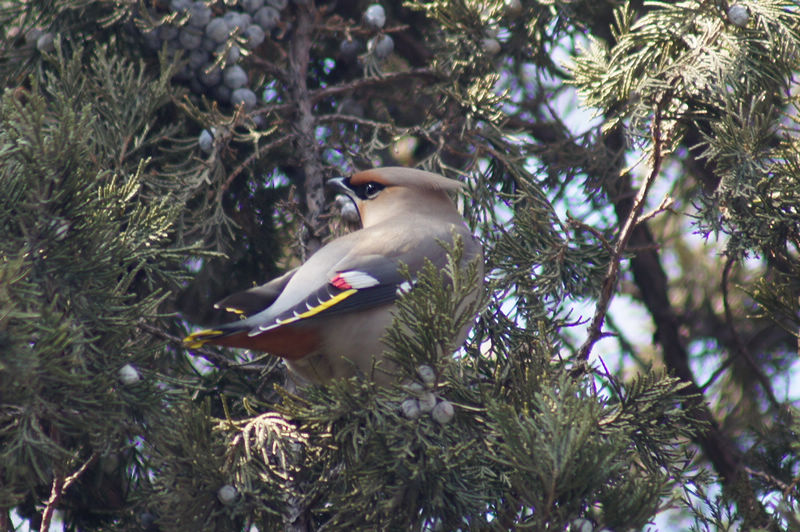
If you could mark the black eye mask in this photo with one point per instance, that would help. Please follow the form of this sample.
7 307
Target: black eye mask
365 191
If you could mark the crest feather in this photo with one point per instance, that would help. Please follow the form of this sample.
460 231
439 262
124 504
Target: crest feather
405 177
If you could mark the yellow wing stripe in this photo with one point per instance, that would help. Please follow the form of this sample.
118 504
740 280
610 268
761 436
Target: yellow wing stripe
199 338
328 303
193 341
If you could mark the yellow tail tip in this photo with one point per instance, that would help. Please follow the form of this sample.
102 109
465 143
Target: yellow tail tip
200 338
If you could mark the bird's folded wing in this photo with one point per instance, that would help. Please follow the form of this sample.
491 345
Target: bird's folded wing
377 283
254 300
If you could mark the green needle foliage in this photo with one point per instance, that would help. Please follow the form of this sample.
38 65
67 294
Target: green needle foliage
86 257
135 192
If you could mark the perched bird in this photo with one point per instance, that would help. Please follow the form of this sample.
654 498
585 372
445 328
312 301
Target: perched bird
326 317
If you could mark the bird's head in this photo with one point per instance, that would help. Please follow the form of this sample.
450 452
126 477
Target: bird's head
381 193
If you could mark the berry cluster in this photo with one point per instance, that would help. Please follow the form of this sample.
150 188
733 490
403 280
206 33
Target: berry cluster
214 41
213 37
424 400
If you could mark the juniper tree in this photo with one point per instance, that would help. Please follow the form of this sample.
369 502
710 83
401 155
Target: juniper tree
155 156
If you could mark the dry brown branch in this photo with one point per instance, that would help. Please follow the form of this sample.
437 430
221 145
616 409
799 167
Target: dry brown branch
60 485
610 280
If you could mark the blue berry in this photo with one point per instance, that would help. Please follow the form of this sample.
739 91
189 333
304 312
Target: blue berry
45 42
180 5
218 30
210 78
190 38
167 33
198 57
350 49
375 16
222 93
205 141
267 17
237 20
252 5
254 36
151 40
244 96
234 77
382 46
232 54
199 15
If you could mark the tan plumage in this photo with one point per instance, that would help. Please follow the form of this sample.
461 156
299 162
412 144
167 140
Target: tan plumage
327 317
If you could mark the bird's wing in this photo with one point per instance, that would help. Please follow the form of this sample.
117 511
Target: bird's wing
366 277
254 300
358 278
365 282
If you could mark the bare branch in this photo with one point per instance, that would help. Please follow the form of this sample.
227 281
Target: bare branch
60 486
384 79
610 280
665 205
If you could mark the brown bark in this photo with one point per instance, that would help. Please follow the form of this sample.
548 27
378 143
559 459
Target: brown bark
308 149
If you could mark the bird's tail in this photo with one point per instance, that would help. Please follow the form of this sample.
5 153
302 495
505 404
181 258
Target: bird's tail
199 338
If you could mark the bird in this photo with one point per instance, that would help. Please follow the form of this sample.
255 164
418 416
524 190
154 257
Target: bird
327 317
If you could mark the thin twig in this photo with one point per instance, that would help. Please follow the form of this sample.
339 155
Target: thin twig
60 486
778 483
610 281
335 117
316 95
738 344
574 222
253 156
388 78
717 372
666 204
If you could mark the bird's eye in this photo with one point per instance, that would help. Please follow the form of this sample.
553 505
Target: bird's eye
372 189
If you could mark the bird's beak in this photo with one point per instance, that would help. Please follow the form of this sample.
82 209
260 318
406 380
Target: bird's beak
337 184
340 187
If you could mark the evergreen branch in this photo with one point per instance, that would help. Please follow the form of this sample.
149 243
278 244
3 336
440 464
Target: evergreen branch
717 447
651 280
652 283
610 281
